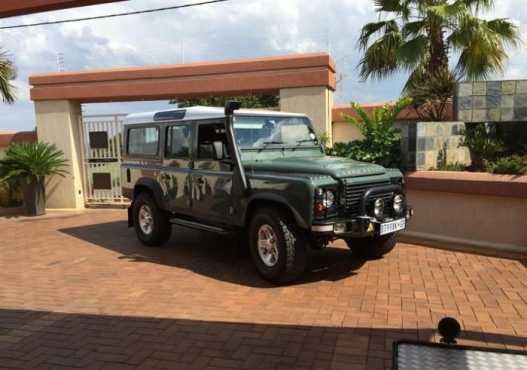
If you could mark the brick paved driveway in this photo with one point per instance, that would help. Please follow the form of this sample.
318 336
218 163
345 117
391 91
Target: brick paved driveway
78 291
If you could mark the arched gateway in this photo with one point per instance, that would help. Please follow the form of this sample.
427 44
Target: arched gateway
305 83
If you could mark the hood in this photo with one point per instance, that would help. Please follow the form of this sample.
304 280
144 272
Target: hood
337 167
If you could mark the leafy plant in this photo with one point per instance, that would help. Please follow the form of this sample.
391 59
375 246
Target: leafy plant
483 143
456 166
10 195
512 165
381 143
432 93
32 162
7 74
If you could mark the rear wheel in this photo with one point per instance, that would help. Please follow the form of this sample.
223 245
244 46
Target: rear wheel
151 223
278 246
373 247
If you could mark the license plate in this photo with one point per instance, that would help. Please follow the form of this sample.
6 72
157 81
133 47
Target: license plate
391 227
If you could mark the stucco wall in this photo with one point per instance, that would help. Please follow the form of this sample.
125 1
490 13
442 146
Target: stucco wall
316 102
479 212
58 123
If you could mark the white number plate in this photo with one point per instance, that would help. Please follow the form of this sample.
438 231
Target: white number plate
391 227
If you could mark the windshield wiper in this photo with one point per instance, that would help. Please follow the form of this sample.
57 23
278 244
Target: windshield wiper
307 141
273 142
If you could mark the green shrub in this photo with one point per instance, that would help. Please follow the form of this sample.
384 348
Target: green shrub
512 165
456 166
382 141
483 144
10 194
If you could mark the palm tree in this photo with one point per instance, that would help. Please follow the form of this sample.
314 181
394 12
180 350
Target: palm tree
7 74
30 164
419 35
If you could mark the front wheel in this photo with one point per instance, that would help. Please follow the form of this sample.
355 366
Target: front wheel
278 246
151 223
373 247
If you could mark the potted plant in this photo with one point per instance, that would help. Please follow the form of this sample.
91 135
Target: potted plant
30 164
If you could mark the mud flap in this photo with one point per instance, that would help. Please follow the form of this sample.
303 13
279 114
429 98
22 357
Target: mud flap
130 216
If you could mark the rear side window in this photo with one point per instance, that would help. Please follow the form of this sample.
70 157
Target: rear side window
143 140
178 141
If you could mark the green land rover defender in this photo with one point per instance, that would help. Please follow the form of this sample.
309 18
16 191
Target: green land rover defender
262 175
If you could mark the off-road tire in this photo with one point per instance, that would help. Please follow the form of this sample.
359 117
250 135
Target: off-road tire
373 247
292 245
161 229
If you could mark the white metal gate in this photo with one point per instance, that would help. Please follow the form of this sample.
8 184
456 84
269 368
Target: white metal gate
101 156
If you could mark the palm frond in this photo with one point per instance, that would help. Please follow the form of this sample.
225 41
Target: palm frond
7 74
482 45
413 29
380 59
370 29
412 52
506 30
448 10
34 160
399 7
478 5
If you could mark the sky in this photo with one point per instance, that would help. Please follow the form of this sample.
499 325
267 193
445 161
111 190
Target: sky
235 29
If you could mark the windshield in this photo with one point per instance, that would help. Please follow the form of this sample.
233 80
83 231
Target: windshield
262 131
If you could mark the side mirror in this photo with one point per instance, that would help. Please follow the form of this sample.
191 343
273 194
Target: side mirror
218 150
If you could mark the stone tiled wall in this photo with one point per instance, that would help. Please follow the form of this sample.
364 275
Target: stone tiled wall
492 101
425 145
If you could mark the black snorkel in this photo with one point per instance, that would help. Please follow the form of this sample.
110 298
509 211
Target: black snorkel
239 172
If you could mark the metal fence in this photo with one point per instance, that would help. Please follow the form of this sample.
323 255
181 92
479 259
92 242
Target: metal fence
101 156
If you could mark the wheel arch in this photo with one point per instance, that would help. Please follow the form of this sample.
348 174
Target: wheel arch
152 186
266 200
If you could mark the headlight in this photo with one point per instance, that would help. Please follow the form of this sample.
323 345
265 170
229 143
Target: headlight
378 209
328 199
325 201
398 203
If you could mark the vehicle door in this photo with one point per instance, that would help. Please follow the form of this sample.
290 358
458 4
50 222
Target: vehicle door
212 177
175 178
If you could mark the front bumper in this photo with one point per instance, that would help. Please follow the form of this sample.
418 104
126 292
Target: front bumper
358 227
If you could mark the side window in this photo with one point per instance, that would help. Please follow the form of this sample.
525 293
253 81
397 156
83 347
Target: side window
178 141
143 140
207 135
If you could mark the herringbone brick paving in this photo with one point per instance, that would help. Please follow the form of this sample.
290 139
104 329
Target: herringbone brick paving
78 291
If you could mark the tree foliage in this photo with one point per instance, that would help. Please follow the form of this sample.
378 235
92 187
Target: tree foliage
7 74
381 143
418 37
248 101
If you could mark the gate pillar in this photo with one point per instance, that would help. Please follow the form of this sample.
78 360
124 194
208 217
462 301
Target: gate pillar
58 123
316 102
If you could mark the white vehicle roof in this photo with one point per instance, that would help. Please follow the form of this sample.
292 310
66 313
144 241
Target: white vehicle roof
200 112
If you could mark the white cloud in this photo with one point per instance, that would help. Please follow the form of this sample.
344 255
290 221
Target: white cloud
235 29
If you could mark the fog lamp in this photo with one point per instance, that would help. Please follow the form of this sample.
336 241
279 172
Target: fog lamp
339 228
378 209
398 204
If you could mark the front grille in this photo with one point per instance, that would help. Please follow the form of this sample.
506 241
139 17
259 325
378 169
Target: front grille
353 194
388 204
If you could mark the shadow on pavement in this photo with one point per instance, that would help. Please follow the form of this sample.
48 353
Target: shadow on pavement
209 254
49 340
